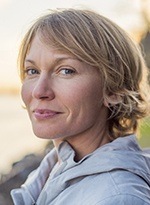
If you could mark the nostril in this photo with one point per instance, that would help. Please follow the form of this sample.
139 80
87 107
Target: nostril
44 97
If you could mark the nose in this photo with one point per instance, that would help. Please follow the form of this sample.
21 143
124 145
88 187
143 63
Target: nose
43 89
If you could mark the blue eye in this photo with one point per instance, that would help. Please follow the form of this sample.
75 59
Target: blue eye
31 71
67 71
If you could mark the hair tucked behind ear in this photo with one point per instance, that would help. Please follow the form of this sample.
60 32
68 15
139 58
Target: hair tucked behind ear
101 43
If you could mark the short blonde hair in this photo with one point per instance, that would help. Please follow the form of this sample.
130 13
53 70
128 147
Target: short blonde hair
99 42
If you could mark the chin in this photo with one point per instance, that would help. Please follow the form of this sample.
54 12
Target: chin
41 134
46 135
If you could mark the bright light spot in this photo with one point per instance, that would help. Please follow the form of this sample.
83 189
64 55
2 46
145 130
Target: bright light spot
4 3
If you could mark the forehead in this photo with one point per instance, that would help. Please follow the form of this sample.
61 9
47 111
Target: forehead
43 55
37 44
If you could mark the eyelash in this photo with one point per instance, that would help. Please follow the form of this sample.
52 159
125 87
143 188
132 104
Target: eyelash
62 71
29 70
69 71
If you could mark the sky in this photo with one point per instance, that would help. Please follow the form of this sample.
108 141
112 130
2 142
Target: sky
17 15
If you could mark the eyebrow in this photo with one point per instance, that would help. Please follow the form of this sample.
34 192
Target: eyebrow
56 61
29 61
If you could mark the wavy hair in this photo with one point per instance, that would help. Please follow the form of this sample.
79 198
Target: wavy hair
99 42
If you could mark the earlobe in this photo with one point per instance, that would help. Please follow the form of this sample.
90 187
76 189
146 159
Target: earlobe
112 100
106 103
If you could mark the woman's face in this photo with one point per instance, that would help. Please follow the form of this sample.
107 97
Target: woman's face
62 94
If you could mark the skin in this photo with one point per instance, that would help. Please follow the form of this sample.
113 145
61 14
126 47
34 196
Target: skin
64 99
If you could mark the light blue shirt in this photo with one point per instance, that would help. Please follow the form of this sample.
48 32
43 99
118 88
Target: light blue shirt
116 173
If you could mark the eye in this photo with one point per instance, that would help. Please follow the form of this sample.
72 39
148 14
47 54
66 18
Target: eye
67 71
31 71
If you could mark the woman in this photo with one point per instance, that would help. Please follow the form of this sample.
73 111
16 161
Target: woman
83 89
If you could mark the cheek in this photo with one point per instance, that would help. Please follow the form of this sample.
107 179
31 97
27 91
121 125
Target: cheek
92 93
85 97
26 93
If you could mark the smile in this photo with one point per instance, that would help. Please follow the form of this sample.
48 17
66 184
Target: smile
42 114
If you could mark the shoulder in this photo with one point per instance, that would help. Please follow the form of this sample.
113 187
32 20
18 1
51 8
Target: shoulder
115 187
123 199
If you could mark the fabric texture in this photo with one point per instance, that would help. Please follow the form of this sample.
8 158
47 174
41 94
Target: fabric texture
116 173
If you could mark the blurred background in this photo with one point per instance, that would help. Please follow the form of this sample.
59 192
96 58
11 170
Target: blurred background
16 137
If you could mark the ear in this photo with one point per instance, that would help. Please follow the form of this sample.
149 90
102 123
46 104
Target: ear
112 100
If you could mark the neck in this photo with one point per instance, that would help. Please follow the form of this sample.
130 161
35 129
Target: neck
86 148
85 143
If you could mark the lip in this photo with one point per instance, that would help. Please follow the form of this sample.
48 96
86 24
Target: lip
42 114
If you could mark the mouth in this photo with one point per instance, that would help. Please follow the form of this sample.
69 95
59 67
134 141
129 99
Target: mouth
41 114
